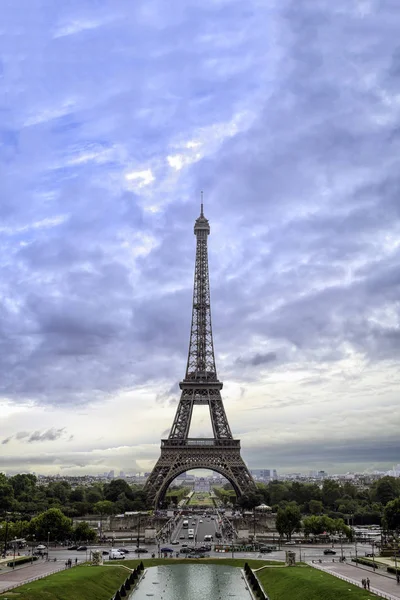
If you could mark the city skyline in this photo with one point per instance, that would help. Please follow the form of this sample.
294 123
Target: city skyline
116 117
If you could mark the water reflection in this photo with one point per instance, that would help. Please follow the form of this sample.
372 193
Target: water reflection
192 582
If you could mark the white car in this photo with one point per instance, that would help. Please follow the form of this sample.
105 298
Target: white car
201 520
41 547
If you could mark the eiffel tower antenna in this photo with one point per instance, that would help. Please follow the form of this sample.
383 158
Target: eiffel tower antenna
200 386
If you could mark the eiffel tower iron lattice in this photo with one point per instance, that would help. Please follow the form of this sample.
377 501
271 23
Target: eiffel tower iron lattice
180 453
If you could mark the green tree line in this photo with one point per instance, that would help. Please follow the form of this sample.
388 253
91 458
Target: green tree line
358 506
25 496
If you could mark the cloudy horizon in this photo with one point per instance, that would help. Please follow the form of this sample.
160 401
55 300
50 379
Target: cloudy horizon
115 116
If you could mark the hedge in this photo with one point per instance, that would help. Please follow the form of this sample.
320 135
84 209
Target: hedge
20 560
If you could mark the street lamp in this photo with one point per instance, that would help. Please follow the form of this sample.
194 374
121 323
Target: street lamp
48 545
14 544
5 538
341 546
138 536
373 554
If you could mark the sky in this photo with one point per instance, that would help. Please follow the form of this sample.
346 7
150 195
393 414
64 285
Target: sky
113 117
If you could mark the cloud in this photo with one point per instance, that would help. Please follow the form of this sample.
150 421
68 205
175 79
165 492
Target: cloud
286 115
258 359
46 436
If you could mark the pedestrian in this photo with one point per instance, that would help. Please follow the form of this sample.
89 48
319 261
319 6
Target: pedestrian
398 578
368 583
363 583
76 560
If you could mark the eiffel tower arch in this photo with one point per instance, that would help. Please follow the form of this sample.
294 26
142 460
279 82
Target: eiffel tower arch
180 453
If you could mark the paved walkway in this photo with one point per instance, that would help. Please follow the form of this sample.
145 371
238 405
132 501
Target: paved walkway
24 573
386 587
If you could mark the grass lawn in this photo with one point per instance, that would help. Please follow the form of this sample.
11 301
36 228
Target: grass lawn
306 583
201 499
100 583
79 583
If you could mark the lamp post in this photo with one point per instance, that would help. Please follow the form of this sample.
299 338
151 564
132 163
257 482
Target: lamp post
373 554
138 536
341 546
355 546
33 543
48 545
395 558
5 538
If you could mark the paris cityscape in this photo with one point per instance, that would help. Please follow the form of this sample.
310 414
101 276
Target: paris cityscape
199 315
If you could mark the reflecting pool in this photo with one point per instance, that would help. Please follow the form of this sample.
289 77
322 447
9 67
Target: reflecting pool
192 582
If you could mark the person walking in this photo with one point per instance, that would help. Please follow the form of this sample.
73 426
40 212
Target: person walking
363 583
398 578
368 583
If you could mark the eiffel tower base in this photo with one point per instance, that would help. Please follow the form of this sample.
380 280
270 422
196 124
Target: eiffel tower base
179 456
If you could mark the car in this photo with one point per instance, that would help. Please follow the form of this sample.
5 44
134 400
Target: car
124 550
41 547
185 550
371 554
201 520
175 543
290 543
166 550
82 548
182 537
329 551
105 553
116 555
73 548
264 549
184 545
140 550
218 534
212 518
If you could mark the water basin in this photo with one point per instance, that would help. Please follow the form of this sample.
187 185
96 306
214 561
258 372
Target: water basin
192 582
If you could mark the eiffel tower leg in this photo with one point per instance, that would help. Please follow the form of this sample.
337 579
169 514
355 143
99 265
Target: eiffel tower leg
224 459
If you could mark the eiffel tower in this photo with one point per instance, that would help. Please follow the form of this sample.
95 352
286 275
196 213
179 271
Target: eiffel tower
180 453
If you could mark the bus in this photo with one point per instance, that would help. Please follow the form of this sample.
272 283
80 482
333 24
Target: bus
191 534
185 524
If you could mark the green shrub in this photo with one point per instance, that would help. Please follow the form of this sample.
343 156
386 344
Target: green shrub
366 561
20 560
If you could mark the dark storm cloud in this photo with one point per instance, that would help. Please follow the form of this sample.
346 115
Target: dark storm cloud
258 359
362 453
49 435
46 436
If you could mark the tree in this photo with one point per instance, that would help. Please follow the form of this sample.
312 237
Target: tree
392 515
84 533
315 507
6 497
250 500
104 507
77 495
278 492
117 487
330 492
385 490
288 520
52 523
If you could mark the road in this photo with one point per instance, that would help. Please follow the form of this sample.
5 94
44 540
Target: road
208 524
